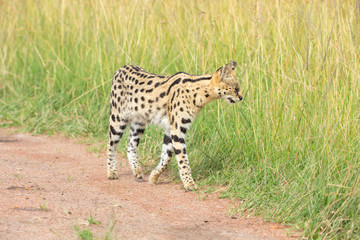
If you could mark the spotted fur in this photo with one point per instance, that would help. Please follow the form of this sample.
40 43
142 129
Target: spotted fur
139 98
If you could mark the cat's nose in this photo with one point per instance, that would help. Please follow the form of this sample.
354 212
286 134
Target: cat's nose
241 98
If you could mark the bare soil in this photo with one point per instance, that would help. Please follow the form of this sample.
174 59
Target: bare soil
50 186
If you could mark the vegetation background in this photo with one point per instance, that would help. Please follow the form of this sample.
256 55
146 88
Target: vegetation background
290 151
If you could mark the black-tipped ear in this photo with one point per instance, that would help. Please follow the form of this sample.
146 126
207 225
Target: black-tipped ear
231 66
227 70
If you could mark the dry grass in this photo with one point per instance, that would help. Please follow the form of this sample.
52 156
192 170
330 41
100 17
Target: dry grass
291 150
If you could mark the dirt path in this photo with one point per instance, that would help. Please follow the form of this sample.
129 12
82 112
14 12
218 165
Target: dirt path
49 185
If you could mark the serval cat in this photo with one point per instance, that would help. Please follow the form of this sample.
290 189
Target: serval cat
139 98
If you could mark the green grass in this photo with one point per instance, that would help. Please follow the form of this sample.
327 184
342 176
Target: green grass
83 234
43 207
88 234
290 151
91 220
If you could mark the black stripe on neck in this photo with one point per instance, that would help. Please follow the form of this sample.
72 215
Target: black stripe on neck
195 80
177 81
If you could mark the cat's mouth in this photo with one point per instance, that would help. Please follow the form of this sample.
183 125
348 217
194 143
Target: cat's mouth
232 101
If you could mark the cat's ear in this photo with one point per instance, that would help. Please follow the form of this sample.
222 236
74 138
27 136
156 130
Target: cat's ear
225 72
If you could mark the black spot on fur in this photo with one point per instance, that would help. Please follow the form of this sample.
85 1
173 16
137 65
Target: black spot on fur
167 139
137 140
183 130
177 139
140 130
185 121
114 132
177 151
